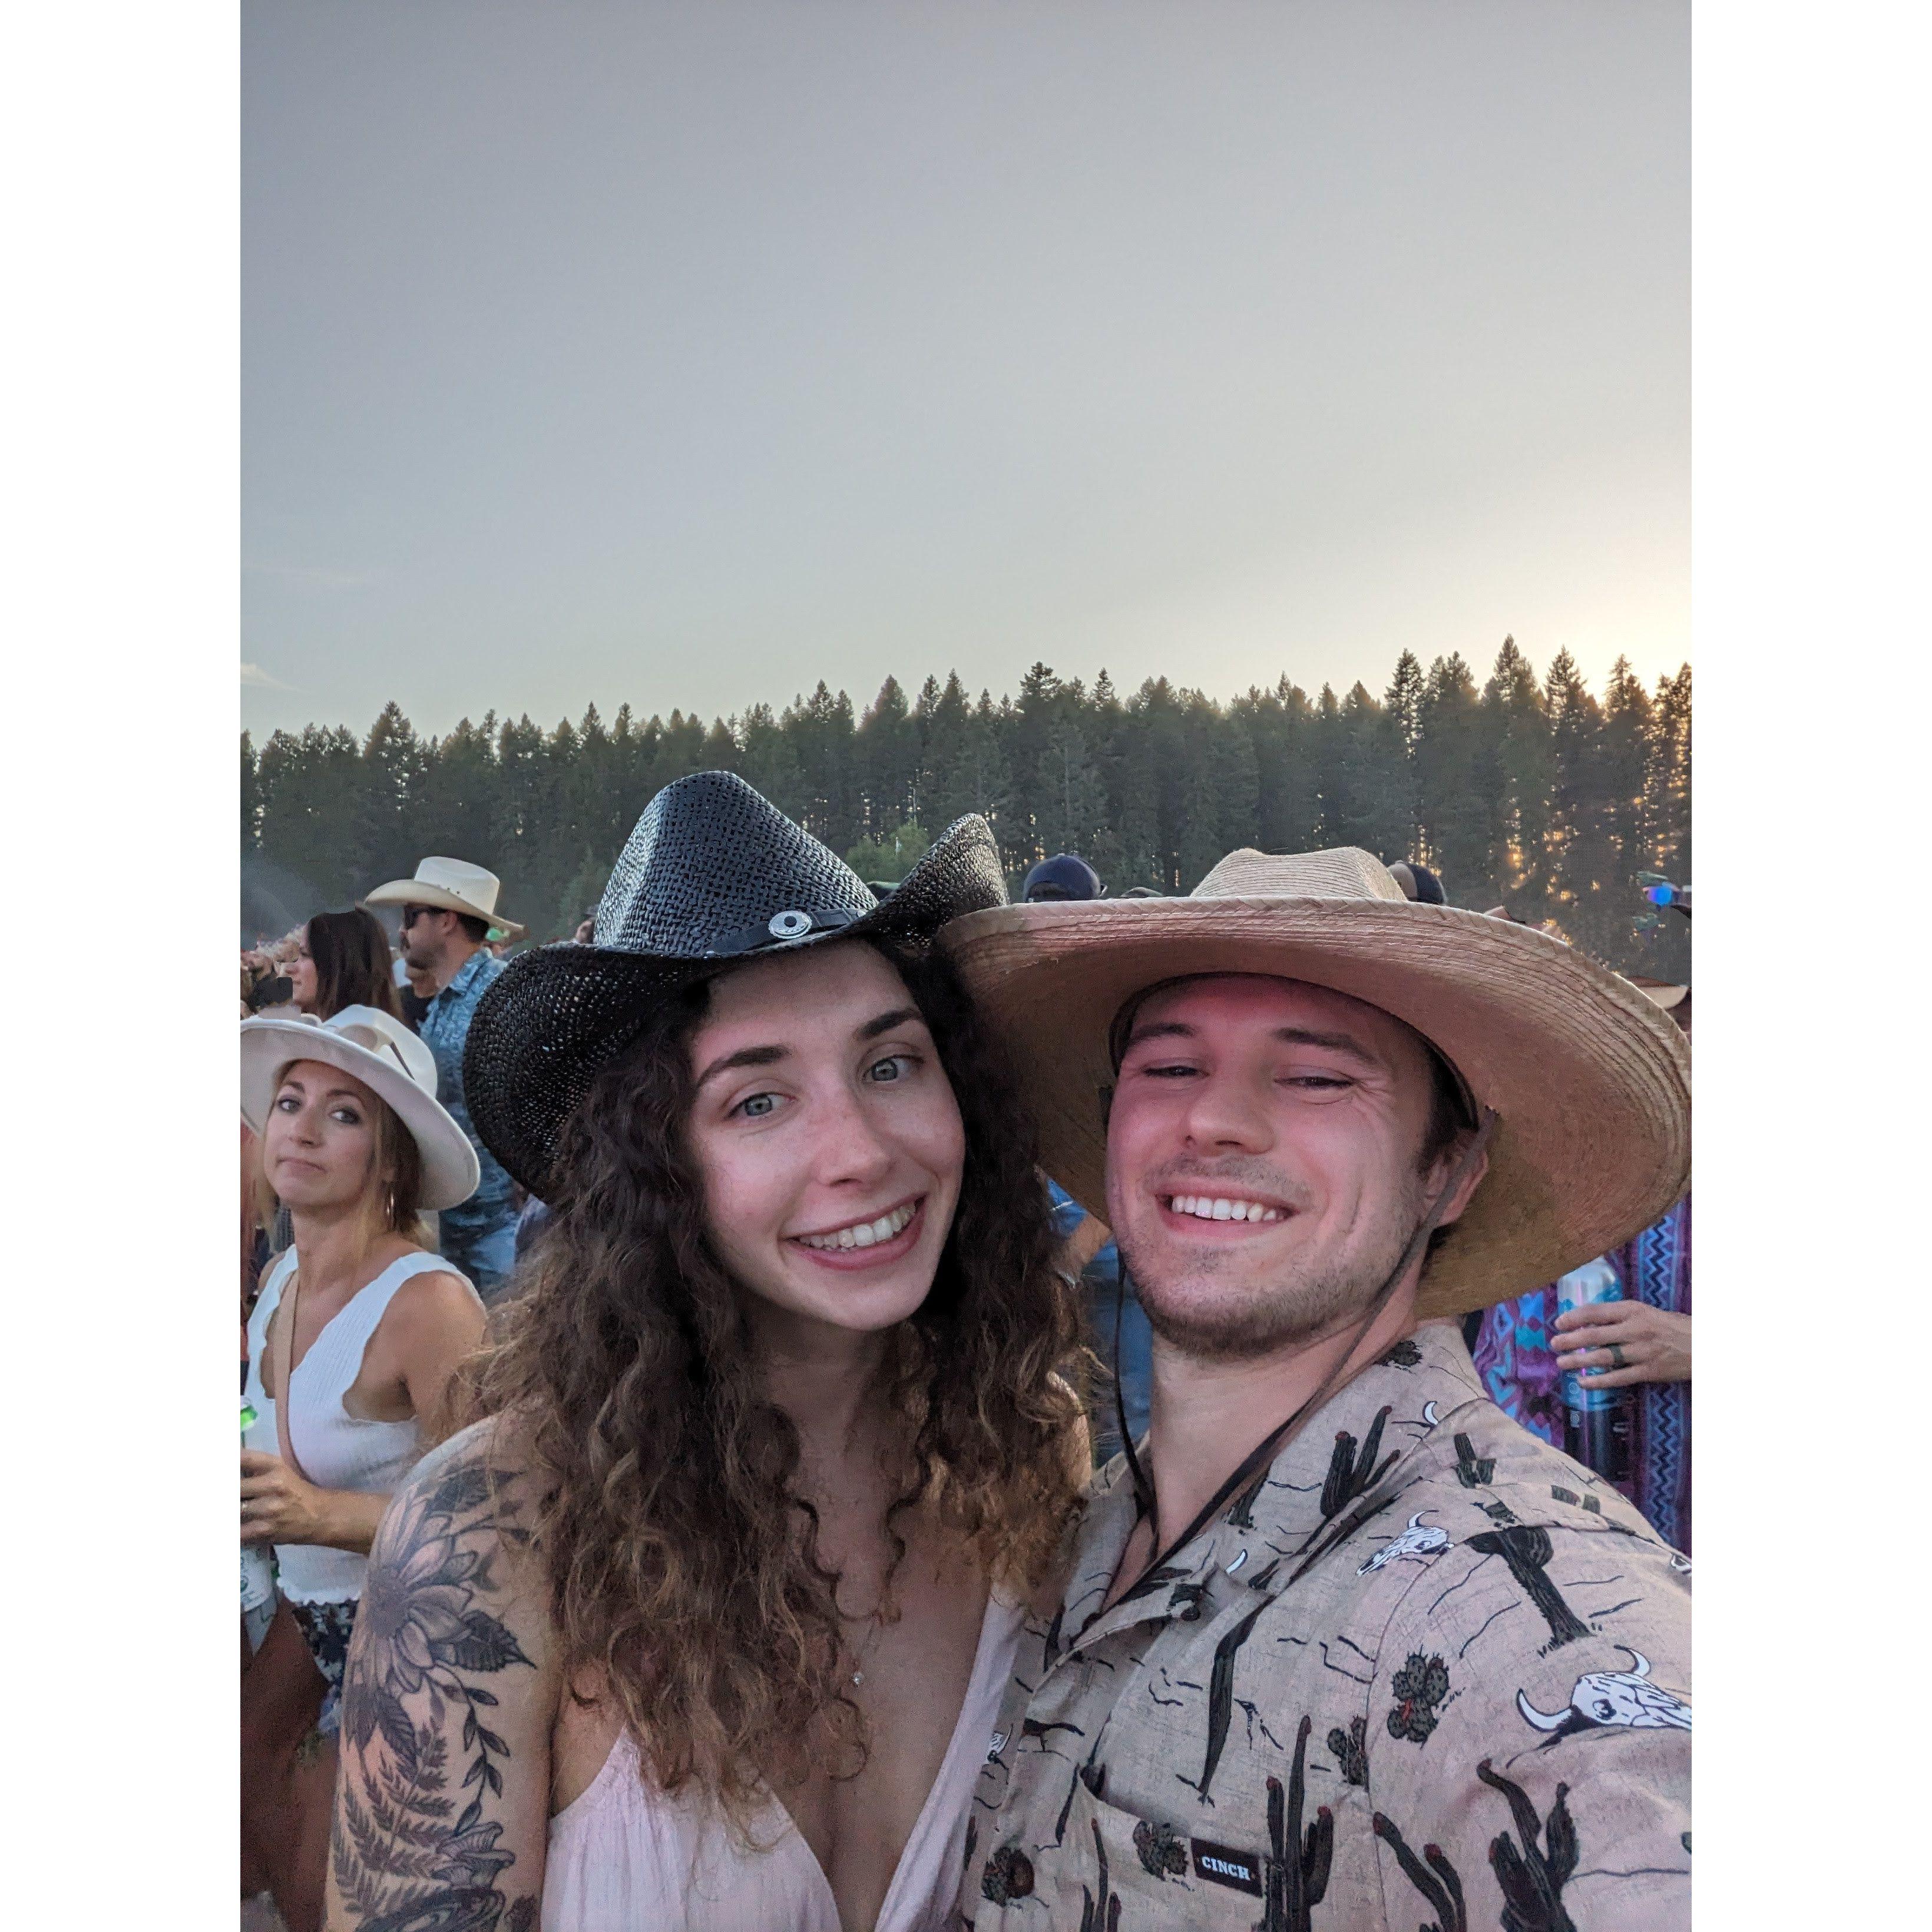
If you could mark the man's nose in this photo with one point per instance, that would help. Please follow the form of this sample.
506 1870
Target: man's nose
1227 1114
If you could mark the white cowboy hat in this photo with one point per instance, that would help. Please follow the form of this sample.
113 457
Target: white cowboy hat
450 885
1590 1080
389 1060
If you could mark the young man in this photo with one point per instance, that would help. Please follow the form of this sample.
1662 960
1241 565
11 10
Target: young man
448 914
1342 1645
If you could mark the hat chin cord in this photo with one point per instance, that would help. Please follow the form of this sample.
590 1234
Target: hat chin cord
1147 1504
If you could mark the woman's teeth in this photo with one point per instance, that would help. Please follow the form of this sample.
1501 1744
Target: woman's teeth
866 1233
1212 1207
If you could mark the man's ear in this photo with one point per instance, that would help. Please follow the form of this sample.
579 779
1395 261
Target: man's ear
1466 1191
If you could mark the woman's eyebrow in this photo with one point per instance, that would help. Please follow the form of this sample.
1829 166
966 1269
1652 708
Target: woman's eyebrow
769 1056
746 1056
885 1022
327 1092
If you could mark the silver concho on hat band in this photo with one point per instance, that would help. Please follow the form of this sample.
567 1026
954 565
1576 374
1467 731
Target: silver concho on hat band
789 924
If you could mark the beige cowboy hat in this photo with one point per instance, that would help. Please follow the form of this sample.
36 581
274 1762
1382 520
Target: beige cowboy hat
450 885
1661 992
378 1050
1591 1081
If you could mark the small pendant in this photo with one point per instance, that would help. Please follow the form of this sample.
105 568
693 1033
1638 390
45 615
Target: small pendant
858 1678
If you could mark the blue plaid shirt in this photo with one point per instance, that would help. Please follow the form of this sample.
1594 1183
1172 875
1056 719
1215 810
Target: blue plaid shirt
445 1028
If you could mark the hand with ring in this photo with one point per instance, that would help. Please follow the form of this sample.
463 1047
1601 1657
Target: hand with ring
1613 1344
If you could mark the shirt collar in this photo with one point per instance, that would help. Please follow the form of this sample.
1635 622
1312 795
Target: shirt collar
1352 1448
467 972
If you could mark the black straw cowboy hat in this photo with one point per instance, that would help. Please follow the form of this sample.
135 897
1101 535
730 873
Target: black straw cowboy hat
713 873
1591 1082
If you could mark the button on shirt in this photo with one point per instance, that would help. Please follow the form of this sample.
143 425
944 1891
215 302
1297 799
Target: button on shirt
445 1028
1427 1670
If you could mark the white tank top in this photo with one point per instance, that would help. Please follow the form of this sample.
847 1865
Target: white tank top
623 1856
336 1450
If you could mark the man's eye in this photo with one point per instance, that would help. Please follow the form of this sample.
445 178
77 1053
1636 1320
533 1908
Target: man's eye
1317 1082
1179 1071
755 1106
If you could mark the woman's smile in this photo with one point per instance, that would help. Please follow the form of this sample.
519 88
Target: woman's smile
866 1244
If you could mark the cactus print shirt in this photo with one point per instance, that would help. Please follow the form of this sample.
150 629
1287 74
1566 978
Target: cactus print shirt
1426 1672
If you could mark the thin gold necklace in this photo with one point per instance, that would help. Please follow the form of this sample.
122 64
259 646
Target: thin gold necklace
861 1651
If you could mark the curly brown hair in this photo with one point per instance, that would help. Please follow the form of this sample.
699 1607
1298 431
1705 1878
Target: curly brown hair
680 1557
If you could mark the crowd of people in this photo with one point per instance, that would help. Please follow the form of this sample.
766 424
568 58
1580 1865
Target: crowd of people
816 1406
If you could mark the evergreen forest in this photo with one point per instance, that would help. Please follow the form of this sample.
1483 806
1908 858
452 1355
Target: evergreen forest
1533 794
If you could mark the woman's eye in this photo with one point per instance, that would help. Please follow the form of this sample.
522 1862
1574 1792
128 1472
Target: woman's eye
1317 1082
348 1116
756 1106
894 1066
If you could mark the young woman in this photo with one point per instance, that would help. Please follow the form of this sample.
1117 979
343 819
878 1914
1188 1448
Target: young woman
352 1341
338 959
343 959
707 1626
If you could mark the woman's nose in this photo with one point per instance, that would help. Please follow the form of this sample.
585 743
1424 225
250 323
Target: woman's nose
849 1147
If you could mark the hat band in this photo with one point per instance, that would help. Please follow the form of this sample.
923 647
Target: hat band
783 929
371 1041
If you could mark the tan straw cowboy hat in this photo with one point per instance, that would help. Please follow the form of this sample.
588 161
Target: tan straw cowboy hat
1590 1080
450 885
1661 992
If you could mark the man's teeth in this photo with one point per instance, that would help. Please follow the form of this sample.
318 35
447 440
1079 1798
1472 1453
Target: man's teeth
867 1233
1217 1207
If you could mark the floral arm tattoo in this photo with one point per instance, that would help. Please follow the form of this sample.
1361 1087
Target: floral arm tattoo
421 1816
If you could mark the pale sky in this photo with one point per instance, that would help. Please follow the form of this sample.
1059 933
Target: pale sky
684 355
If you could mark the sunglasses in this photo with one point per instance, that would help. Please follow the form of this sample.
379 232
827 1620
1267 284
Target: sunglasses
411 913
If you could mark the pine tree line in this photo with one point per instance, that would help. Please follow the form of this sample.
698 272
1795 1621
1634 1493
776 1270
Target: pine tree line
1536 794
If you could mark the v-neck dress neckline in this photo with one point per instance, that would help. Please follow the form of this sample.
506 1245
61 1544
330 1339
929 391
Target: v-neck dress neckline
622 1854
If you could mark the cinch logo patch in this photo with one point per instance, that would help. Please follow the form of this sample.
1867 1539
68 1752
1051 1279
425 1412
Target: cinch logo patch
1221 1865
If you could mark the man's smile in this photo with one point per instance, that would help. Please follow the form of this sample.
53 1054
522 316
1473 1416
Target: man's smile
1221 1207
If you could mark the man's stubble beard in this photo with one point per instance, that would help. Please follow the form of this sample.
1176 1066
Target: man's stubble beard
1301 1305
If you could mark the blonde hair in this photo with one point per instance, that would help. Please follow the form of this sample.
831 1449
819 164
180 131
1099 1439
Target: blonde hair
399 1159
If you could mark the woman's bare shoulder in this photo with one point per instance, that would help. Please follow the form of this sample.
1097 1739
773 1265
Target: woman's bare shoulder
476 1490
489 1449
435 1290
1077 1445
